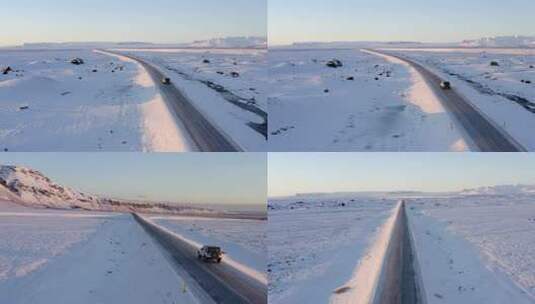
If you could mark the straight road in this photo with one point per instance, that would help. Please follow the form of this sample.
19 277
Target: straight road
398 282
485 135
411 291
205 136
223 283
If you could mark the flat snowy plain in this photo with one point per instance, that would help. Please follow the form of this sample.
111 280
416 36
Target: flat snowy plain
475 248
107 104
371 103
110 103
504 92
315 244
78 257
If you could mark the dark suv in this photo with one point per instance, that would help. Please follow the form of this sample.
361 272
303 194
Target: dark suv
445 85
210 253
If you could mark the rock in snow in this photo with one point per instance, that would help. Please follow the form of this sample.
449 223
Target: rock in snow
335 63
77 61
5 71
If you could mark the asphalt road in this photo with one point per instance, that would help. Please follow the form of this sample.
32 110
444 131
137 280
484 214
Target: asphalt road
485 135
398 283
409 280
221 282
205 136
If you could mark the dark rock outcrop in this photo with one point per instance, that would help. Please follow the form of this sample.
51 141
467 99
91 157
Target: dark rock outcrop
335 63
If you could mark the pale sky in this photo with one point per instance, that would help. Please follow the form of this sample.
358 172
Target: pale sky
207 178
285 21
166 21
394 20
291 173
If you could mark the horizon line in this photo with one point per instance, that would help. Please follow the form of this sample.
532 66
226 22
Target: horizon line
395 191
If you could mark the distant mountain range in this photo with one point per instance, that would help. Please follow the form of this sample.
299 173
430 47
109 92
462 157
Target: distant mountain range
261 42
352 44
232 42
491 190
501 41
500 190
226 42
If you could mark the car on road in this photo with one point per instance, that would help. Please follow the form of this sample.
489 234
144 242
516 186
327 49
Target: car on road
210 254
166 80
445 85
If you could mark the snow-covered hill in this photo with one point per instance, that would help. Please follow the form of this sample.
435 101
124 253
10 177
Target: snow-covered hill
500 190
501 41
33 189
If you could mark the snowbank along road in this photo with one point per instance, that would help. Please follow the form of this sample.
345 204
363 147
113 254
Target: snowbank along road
222 282
206 136
485 135
398 281
52 256
389 272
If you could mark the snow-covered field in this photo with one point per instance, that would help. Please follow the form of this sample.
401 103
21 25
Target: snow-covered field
242 240
74 257
476 248
30 241
107 104
505 93
227 85
316 243
371 103
473 246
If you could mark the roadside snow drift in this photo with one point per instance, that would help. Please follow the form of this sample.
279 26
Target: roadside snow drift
370 278
368 103
104 104
226 85
225 281
243 240
476 248
315 243
499 82
59 259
